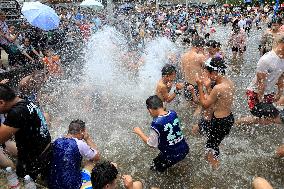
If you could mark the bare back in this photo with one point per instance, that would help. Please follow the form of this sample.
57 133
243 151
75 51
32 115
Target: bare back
225 96
191 63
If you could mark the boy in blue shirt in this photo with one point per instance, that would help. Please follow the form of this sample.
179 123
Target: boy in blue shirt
165 135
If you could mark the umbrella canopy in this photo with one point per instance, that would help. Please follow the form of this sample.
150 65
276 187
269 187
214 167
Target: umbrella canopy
40 15
126 6
93 4
226 5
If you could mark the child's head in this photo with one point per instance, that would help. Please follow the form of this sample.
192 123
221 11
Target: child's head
168 73
154 104
104 175
47 52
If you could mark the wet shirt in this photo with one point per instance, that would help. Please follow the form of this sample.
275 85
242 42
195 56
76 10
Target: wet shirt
66 162
33 135
170 137
273 66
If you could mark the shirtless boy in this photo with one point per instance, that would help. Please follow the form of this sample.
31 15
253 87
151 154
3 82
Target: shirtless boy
220 100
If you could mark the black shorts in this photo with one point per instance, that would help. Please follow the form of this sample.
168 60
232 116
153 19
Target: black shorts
207 35
187 93
247 29
266 110
35 167
161 163
220 127
236 49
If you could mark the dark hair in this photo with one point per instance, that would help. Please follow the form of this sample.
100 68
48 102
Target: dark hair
213 44
276 21
168 69
102 174
6 93
216 64
76 126
154 102
198 42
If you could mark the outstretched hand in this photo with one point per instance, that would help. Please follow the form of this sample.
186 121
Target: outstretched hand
137 130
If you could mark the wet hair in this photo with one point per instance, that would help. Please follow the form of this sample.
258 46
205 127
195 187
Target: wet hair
276 21
6 93
278 40
154 102
76 127
102 174
216 64
213 44
2 13
168 69
198 42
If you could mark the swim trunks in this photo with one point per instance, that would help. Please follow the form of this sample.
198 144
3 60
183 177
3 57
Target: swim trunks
162 162
262 109
187 93
219 129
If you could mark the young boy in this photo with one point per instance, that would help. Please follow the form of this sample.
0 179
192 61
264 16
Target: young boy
52 63
165 84
165 135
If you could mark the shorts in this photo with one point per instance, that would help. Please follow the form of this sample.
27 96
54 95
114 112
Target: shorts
162 162
262 109
237 49
39 165
220 127
247 29
207 35
187 93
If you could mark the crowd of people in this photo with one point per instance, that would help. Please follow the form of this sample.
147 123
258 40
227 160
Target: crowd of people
73 161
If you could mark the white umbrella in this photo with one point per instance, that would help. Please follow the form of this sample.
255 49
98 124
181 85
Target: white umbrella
93 4
40 15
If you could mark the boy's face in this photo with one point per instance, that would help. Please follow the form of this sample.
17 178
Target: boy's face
169 79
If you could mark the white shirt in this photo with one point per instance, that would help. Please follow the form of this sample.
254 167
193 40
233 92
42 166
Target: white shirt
153 139
241 23
85 150
273 66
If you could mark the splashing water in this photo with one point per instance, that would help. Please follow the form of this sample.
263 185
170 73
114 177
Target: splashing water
119 99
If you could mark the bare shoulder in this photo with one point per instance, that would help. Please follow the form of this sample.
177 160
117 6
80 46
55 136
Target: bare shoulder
161 85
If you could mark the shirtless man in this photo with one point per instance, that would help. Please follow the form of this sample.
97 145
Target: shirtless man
165 84
221 100
192 63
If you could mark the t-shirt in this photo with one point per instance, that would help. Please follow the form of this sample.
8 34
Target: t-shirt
171 141
33 135
273 66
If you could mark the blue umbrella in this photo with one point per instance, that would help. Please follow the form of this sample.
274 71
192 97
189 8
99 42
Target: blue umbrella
40 15
126 6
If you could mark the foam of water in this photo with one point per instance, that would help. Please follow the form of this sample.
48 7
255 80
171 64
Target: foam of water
105 63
